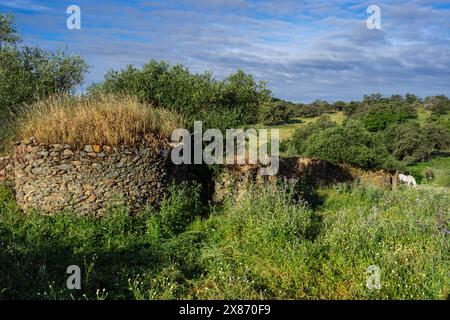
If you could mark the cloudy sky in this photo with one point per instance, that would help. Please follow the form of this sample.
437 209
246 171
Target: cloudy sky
305 50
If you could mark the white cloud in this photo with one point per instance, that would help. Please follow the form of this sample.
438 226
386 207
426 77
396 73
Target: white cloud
23 4
327 53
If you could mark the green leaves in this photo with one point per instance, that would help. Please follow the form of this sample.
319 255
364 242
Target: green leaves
350 144
413 143
229 103
28 74
8 31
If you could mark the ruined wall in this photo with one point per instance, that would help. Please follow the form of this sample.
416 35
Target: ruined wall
310 172
57 178
7 170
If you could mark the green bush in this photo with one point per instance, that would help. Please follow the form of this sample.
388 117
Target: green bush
379 116
350 144
438 105
413 143
315 109
275 113
179 209
301 135
222 104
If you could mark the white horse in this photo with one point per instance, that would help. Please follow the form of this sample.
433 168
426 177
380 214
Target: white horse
409 180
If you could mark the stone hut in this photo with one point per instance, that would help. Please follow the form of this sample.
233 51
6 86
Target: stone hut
57 177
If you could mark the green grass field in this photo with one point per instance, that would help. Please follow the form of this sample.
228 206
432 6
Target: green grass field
262 246
440 168
423 115
287 130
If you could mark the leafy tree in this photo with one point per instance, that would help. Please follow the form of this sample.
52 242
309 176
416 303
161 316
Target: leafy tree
372 98
352 108
236 100
301 135
378 116
28 74
411 98
275 113
314 109
8 30
439 105
241 91
407 143
396 97
412 143
350 143
339 105
437 136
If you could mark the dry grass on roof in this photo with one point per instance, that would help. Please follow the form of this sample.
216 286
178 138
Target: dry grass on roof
105 120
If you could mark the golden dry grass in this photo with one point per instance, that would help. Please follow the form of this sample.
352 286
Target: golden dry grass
106 120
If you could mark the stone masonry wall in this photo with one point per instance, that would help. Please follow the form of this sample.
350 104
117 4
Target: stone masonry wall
6 169
311 172
57 178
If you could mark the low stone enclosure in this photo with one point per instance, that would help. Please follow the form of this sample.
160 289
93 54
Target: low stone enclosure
58 178
308 172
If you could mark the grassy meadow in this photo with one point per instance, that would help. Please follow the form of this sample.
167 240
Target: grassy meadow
288 129
265 245
439 168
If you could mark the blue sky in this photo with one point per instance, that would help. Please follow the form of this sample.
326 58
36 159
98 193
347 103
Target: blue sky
305 50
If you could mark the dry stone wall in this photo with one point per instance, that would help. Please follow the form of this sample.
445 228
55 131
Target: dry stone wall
56 178
311 172
6 169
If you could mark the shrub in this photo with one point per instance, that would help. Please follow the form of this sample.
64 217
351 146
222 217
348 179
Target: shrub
350 144
439 105
413 143
275 113
104 120
378 116
179 209
8 30
219 104
301 135
315 109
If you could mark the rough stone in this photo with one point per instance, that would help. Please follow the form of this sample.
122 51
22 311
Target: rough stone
87 148
73 180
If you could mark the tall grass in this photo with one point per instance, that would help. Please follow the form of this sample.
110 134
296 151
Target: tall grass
104 120
439 168
263 245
